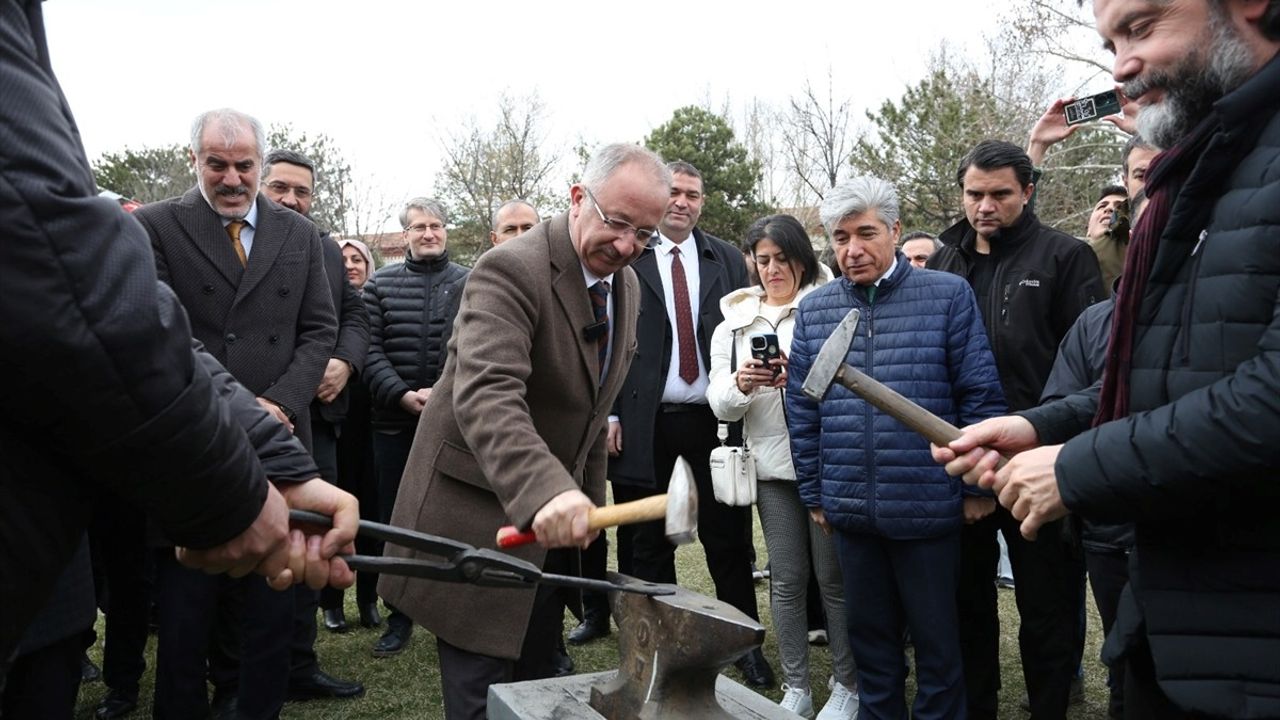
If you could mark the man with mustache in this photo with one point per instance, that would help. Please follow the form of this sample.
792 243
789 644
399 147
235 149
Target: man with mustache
251 276
1180 436
1031 282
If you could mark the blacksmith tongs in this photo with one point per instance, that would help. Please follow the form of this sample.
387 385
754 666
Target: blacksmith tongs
460 562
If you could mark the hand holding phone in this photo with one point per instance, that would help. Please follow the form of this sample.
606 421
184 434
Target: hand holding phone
764 347
1091 108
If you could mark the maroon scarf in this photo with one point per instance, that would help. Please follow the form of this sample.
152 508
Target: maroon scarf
1165 177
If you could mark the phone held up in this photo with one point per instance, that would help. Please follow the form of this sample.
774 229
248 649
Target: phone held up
1091 108
764 347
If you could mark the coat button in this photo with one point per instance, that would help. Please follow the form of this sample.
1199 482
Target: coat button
284 291
230 338
207 289
274 339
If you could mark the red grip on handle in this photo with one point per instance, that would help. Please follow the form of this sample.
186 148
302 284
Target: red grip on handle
509 537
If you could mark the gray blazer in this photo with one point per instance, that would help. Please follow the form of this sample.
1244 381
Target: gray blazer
272 323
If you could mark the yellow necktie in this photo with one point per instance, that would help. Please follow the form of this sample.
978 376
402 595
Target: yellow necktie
233 229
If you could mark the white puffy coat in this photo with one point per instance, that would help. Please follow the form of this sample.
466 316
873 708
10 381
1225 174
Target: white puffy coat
764 424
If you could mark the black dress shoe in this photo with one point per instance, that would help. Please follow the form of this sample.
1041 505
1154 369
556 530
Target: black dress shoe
591 628
564 663
116 704
393 641
369 615
323 685
755 669
335 620
88 671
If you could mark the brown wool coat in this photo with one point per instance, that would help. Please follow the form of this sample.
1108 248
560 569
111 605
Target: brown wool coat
517 418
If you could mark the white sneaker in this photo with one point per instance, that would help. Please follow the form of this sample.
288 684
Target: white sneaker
797 700
842 705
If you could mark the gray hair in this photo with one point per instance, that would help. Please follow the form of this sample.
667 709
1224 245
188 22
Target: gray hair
229 122
609 158
856 196
427 205
493 221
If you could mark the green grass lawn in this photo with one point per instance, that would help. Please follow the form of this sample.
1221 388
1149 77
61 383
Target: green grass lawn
408 686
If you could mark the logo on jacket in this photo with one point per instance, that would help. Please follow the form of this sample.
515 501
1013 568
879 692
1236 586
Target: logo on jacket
1028 282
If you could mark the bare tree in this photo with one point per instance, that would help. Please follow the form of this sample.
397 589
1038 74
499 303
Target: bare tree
485 167
816 143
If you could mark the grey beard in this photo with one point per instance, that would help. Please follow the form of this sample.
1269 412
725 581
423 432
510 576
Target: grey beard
1193 85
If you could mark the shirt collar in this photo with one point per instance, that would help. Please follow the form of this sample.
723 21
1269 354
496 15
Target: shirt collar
250 218
591 278
892 266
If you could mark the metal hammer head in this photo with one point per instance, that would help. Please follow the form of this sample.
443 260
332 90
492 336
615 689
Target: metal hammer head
826 367
682 504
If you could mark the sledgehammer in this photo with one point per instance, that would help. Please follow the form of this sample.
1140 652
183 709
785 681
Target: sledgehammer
829 368
679 506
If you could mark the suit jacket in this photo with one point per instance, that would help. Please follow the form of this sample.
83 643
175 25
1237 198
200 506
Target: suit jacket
272 323
101 387
721 270
353 329
517 417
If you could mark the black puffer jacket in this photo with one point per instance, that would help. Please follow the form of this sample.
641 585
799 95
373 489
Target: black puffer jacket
1043 280
411 310
1081 358
1197 462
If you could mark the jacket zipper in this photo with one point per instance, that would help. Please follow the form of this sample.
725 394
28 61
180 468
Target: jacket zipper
1184 345
868 362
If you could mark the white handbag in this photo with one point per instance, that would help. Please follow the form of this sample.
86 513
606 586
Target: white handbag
733 472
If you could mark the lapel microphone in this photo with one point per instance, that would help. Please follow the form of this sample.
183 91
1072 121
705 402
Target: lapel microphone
595 331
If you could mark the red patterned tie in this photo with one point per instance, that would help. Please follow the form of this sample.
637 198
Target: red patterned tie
600 306
684 321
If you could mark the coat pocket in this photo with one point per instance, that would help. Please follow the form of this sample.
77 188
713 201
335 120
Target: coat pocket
458 463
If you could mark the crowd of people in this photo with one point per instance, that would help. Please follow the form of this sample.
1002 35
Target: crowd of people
229 360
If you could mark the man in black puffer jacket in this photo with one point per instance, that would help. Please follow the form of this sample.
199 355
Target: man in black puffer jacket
1185 436
1031 282
411 311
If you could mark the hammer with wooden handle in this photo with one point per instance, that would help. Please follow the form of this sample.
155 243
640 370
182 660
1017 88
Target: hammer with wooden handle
679 506
829 368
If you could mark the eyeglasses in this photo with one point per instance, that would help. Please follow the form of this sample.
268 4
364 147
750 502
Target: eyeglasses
422 228
299 191
648 237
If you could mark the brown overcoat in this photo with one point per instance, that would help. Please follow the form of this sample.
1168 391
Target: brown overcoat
518 417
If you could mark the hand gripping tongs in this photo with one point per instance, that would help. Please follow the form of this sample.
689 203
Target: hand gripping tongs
460 562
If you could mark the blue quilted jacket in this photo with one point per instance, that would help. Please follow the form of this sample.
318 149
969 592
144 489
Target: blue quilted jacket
923 336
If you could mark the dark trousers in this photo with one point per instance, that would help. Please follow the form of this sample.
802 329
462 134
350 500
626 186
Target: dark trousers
390 454
188 601
303 662
892 585
42 685
357 476
721 528
1108 574
1047 592
465 676
118 538
595 564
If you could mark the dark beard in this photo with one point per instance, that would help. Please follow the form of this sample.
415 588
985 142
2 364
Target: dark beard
1192 85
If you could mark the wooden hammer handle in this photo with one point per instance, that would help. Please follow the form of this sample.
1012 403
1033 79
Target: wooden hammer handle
650 508
933 428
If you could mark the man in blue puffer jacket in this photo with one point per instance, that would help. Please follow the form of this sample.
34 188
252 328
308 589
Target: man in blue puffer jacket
867 476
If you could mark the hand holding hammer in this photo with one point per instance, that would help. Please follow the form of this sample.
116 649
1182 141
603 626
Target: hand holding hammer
678 506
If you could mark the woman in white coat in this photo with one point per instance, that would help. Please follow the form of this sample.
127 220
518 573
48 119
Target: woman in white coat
743 388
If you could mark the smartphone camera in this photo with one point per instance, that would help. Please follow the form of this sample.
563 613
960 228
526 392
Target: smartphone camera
764 347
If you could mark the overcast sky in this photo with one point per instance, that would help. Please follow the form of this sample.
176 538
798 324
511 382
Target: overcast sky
386 79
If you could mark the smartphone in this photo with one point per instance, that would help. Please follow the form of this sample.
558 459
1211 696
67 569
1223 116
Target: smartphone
764 347
1092 107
